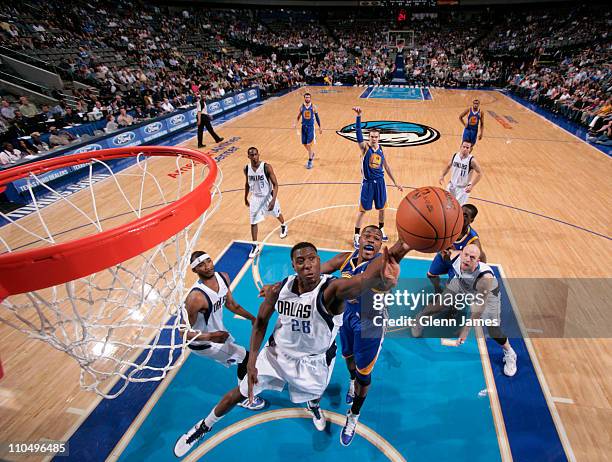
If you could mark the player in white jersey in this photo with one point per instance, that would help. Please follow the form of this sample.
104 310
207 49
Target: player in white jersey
301 349
465 173
262 184
204 305
471 276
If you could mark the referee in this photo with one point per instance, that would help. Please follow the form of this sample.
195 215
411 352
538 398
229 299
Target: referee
204 121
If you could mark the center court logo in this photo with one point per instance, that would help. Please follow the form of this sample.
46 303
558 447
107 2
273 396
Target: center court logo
394 133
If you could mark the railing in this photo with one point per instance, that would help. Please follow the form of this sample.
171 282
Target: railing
25 83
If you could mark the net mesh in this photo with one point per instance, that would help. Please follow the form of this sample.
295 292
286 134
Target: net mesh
126 323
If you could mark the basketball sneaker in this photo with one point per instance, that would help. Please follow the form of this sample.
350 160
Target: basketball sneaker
283 231
350 394
317 416
254 251
356 241
187 441
309 164
257 404
348 431
510 362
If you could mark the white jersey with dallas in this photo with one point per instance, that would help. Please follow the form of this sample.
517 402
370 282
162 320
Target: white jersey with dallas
460 170
259 184
212 319
465 282
304 327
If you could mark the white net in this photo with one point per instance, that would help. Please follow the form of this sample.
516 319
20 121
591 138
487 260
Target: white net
125 324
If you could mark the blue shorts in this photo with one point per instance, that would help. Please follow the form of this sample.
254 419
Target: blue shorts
470 134
439 266
373 191
308 134
364 347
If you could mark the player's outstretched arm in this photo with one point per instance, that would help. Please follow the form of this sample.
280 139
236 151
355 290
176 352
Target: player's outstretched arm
234 306
335 263
388 170
382 274
362 144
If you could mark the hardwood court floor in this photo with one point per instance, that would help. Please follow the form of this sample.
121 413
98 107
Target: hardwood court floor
544 207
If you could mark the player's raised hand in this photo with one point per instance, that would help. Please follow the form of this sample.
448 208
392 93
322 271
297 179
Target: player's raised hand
391 263
357 110
252 379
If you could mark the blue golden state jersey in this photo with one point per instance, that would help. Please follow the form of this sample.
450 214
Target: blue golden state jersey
308 115
372 164
349 269
473 119
467 238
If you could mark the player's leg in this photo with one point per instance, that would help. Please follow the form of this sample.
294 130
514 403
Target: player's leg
256 209
367 347
200 133
347 336
380 203
279 216
366 199
187 441
492 312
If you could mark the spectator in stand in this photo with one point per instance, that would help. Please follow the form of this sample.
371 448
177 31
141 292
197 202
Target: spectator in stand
9 154
139 115
26 108
39 144
7 111
124 119
167 106
60 137
111 125
71 117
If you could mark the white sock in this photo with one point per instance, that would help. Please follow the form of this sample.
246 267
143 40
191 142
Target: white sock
211 419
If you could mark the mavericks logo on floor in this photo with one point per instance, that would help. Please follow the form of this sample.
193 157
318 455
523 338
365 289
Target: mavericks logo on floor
394 133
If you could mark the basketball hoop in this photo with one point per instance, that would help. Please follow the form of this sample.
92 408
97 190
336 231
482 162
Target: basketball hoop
117 293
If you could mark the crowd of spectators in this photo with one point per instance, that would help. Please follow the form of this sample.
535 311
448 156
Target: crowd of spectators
142 60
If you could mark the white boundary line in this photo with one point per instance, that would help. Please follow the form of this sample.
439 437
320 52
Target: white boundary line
553 124
159 391
538 370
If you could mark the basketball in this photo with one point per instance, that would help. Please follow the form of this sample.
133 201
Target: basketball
429 219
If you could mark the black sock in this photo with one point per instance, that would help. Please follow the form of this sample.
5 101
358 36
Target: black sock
381 224
357 230
242 367
357 403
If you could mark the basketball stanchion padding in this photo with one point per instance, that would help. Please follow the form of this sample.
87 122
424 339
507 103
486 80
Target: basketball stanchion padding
113 298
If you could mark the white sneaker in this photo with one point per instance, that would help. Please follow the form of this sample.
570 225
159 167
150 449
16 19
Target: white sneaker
254 251
283 232
317 417
510 363
348 431
356 241
257 404
187 441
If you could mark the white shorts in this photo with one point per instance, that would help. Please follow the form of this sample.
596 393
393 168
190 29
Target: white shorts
228 353
307 378
459 193
259 208
492 309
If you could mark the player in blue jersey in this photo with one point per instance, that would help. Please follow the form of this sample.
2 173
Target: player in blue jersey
441 263
361 338
474 118
308 113
373 187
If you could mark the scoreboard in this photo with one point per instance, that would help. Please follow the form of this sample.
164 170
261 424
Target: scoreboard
408 3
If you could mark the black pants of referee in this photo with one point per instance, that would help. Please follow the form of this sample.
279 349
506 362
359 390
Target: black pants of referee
205 122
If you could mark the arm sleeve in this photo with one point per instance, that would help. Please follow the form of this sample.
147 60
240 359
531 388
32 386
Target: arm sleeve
358 130
317 119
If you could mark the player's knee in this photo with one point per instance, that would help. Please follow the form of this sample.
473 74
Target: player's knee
432 276
363 379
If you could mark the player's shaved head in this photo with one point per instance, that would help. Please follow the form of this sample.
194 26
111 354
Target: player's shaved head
472 249
302 245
